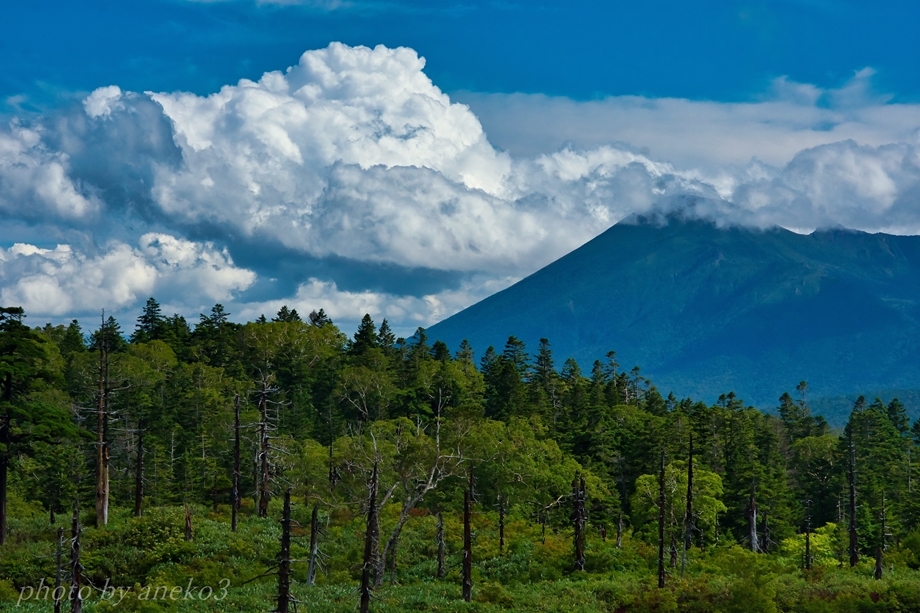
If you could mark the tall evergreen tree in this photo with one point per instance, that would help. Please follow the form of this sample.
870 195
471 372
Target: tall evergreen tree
319 318
73 341
286 315
150 323
897 413
365 337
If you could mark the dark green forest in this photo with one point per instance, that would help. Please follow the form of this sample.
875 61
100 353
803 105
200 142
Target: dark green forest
419 478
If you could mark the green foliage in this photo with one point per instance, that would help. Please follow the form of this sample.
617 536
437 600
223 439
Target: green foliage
331 408
707 504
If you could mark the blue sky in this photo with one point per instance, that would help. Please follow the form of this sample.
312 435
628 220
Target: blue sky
407 159
700 50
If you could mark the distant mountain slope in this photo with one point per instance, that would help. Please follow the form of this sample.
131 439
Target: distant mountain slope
705 310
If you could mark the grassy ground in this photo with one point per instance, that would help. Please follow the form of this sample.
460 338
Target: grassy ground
151 564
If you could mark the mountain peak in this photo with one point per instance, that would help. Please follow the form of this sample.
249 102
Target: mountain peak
706 308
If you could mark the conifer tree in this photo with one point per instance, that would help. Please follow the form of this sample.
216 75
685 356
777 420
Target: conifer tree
150 324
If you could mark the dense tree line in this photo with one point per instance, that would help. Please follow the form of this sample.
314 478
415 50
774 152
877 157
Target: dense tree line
219 413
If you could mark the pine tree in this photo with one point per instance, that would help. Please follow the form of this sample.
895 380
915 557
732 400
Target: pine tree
319 318
178 335
440 352
386 339
73 341
897 413
365 338
465 352
150 324
110 332
286 315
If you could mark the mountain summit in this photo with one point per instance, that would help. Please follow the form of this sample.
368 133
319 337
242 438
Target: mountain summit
704 310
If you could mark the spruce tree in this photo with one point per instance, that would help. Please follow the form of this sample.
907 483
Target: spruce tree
365 337
150 324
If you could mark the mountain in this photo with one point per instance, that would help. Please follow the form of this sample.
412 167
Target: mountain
704 309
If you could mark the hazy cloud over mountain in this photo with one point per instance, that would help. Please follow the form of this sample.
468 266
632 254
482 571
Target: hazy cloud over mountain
351 182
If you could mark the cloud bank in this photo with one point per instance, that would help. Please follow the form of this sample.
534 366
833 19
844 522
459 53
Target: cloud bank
350 169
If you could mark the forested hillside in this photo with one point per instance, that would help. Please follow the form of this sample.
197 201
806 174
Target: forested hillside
704 309
420 478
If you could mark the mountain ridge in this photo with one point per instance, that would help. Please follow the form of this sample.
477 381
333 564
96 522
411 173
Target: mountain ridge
704 310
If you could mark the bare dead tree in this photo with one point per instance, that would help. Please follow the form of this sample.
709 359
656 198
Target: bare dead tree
102 429
139 472
370 539
808 534
880 548
235 495
58 571
501 525
751 516
468 543
578 520
440 538
688 514
661 517
76 569
267 426
264 472
188 523
767 540
314 546
284 558
851 480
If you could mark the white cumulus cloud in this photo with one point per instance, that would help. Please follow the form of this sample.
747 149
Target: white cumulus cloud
63 281
351 167
34 181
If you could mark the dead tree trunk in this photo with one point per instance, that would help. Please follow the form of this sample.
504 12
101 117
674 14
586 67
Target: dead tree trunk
808 535
808 549
102 427
264 476
467 543
661 573
851 479
76 569
235 495
58 571
878 563
765 546
284 558
440 537
188 523
752 522
314 546
501 525
333 474
688 514
139 472
370 539
620 530
578 519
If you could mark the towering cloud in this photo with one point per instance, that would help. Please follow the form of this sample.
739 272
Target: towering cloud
332 179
